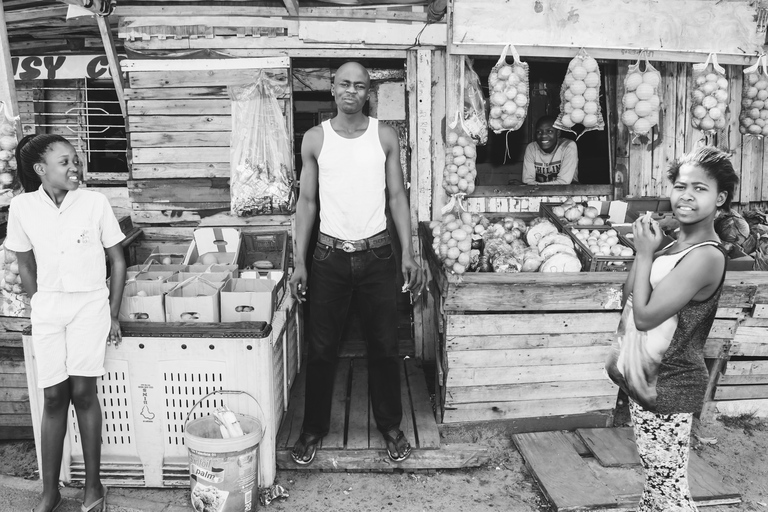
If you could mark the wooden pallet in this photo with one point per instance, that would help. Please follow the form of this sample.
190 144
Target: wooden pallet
600 468
15 416
354 443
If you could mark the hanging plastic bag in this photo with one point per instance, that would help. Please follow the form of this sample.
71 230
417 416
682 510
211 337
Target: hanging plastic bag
460 157
709 97
475 122
8 143
508 86
641 99
754 99
580 96
260 154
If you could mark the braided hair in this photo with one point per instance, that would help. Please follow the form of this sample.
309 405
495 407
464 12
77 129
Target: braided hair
30 151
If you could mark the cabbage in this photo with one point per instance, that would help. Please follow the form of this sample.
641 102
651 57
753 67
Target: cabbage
733 230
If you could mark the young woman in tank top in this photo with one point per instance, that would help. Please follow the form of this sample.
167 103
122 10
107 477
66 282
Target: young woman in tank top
671 297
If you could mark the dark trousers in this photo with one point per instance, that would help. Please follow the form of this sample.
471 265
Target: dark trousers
372 276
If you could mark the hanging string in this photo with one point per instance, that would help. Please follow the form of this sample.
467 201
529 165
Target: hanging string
507 154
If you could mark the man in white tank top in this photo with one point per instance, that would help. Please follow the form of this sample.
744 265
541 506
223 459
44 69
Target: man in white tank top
352 162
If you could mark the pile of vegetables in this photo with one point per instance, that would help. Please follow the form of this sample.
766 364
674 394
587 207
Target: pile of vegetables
8 145
571 212
9 266
471 242
603 243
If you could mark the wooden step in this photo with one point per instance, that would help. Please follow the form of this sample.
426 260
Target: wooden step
354 443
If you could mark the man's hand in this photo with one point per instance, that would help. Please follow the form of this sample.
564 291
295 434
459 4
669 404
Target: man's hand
298 283
416 278
115 335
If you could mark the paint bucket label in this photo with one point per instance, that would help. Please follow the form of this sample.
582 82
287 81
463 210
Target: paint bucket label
224 482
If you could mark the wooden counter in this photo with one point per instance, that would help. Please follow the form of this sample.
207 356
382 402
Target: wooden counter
531 347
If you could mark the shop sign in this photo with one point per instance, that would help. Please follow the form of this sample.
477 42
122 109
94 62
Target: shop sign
51 67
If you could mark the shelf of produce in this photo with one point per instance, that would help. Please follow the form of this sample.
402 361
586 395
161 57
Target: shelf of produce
530 347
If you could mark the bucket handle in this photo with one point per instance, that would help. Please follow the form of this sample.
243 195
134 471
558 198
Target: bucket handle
261 417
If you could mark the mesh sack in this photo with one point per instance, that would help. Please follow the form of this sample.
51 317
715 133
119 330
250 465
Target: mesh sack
580 96
8 143
456 237
709 97
260 153
460 156
474 120
508 89
754 99
641 100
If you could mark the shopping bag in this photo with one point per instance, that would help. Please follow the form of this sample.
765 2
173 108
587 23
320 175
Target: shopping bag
474 120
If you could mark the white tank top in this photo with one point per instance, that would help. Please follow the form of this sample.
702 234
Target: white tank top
352 183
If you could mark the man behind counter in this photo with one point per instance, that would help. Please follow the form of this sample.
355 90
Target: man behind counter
550 160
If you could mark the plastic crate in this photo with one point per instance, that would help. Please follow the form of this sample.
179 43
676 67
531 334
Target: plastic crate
596 263
155 377
266 246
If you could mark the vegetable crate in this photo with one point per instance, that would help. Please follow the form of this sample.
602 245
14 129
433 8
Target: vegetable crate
601 263
155 377
591 262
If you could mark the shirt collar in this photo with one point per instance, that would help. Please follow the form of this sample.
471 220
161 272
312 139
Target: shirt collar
69 199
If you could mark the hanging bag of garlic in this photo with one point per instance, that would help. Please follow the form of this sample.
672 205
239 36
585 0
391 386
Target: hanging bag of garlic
641 99
580 96
709 97
508 88
753 119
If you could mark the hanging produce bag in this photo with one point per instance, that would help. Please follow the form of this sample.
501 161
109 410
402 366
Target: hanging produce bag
580 96
456 238
460 155
709 97
508 85
641 99
475 123
8 143
260 154
754 99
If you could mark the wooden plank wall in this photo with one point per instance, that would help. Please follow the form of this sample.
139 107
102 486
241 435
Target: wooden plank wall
647 163
179 126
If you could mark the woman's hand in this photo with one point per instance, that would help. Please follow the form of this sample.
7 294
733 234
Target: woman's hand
647 234
115 336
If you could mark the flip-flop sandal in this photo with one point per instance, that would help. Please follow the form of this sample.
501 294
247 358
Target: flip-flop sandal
57 505
100 505
308 442
393 440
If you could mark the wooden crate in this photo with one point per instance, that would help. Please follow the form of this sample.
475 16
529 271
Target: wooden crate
155 377
15 417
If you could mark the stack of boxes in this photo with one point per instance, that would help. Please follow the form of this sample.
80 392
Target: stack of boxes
217 278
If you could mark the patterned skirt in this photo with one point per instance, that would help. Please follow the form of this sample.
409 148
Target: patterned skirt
663 443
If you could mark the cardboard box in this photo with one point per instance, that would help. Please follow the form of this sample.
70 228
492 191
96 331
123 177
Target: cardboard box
278 276
248 300
195 300
159 276
152 267
211 277
147 308
224 243
176 253
232 270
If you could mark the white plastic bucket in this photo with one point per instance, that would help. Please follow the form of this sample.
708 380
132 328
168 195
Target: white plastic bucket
223 473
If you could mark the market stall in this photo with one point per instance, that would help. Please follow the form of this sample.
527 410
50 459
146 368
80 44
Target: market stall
529 348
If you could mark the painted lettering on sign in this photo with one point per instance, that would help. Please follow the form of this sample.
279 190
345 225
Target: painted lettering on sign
61 67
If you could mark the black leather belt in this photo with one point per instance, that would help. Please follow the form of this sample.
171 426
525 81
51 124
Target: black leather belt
378 240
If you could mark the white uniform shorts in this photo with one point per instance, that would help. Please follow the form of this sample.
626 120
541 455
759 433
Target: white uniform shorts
69 334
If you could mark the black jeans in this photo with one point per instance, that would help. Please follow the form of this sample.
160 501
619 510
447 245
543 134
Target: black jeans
372 276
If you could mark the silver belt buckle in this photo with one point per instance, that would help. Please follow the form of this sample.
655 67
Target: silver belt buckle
347 246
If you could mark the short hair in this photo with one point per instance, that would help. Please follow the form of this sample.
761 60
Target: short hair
716 163
545 119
